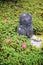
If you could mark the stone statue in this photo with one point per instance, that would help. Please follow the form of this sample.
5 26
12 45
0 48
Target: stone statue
25 25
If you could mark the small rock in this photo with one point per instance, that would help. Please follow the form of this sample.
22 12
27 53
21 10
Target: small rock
35 41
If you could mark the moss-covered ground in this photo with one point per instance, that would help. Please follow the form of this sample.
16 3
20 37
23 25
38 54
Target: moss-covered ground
11 51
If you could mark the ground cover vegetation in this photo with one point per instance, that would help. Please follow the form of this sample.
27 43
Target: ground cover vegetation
16 49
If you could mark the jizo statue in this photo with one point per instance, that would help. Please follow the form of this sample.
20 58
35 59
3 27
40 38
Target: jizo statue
25 25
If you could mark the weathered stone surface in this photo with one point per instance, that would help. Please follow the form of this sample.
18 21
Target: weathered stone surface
25 25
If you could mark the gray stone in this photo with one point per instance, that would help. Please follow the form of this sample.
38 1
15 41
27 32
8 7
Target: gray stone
35 41
25 25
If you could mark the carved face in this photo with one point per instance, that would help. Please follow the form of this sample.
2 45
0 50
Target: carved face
25 19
